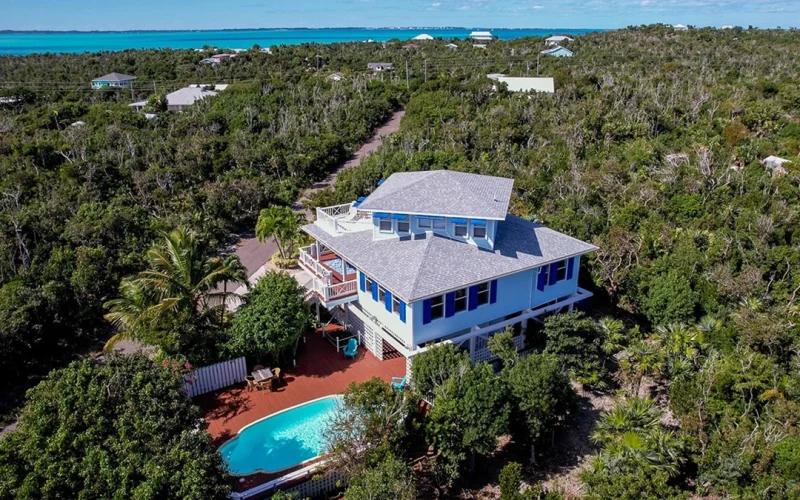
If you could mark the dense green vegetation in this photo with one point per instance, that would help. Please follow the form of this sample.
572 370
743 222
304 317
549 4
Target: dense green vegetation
694 323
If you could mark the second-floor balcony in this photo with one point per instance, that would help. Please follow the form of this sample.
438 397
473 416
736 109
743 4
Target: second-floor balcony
345 218
334 281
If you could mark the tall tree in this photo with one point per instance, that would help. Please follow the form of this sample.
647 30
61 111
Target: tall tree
281 223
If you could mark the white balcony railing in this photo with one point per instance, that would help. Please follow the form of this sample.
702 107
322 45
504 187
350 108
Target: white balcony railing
308 261
330 293
344 219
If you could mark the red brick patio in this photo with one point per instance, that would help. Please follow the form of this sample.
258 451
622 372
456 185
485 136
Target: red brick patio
320 371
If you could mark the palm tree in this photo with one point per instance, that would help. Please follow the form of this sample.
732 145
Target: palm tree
634 415
180 279
281 223
640 359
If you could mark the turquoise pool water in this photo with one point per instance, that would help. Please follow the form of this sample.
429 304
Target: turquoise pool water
282 440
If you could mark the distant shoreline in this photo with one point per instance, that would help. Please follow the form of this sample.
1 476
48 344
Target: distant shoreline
216 30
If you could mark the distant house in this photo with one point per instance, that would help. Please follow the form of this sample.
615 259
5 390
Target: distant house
451 46
495 76
423 36
378 67
557 39
680 27
558 51
727 27
481 35
113 80
218 58
266 50
775 164
217 87
410 46
479 45
336 77
526 84
180 99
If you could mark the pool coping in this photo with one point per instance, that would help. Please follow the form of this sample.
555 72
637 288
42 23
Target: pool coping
304 463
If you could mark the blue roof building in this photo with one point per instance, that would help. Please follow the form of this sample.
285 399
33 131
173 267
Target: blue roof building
434 257
558 51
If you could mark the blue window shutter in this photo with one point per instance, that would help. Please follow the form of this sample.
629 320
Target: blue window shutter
540 283
553 273
426 311
473 297
493 292
402 311
388 300
449 304
362 282
374 291
570 265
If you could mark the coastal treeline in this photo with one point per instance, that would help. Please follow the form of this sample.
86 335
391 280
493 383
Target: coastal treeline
681 378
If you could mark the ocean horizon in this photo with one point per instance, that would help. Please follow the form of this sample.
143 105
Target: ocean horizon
76 42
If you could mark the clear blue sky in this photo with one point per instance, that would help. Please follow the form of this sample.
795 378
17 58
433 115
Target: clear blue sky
210 14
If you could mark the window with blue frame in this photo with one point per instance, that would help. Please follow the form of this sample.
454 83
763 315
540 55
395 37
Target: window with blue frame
369 284
381 294
561 271
465 299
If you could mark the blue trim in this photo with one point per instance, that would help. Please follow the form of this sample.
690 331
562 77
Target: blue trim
362 280
459 220
402 311
375 291
542 281
493 292
449 304
380 215
473 298
381 181
362 199
426 311
570 265
399 216
429 217
478 222
356 204
553 274
387 300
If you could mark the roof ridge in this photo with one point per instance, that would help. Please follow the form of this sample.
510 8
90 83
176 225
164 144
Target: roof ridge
422 261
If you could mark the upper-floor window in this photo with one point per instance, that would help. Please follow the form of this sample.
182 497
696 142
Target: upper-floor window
479 232
385 226
381 295
461 300
369 284
561 273
460 227
428 223
483 294
402 226
395 305
545 270
437 307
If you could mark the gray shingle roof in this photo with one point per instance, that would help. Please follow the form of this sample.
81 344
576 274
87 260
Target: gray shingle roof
443 192
114 77
426 265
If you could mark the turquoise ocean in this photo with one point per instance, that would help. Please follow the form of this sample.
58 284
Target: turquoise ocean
21 43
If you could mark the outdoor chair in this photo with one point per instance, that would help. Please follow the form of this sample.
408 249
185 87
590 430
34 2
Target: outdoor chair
277 378
352 349
399 383
251 382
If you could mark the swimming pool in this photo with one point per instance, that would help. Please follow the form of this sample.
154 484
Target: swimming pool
336 265
282 440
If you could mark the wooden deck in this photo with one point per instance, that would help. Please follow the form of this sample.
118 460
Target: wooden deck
320 371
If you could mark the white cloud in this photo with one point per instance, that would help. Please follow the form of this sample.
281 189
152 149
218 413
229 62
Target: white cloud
436 4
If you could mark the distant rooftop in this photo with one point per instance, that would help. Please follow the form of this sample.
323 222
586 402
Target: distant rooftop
528 84
114 77
443 192
422 266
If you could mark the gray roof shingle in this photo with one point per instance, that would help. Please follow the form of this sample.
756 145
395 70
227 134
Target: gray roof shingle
426 265
114 77
443 192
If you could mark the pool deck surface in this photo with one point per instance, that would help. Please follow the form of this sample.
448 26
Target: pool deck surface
320 371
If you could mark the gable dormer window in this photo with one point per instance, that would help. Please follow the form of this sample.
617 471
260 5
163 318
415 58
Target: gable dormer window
385 226
424 222
478 229
402 223
460 227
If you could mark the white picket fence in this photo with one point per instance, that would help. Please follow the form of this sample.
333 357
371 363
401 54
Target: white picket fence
217 376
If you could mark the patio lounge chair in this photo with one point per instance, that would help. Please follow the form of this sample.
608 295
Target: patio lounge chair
351 349
399 383
251 382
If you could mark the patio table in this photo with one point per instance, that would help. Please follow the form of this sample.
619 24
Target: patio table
262 375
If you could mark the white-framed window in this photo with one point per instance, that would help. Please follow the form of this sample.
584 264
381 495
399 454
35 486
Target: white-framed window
479 232
460 229
483 294
545 270
424 223
369 285
395 305
461 300
439 224
385 226
437 307
381 295
561 274
402 226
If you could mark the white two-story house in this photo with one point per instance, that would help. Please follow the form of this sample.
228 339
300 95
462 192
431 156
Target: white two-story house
434 257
